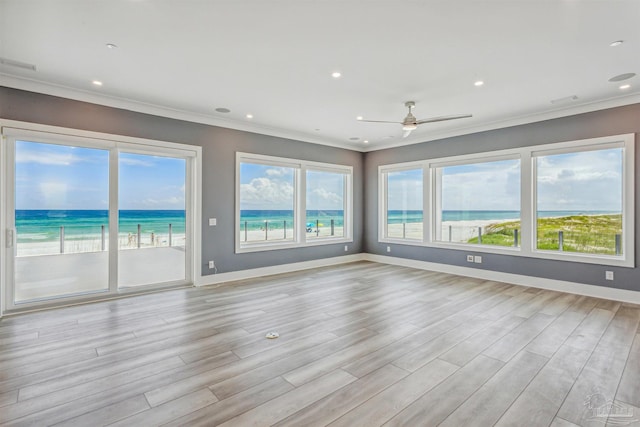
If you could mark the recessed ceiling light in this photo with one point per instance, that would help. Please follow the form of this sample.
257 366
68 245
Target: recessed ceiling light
223 110
355 138
359 118
336 75
97 82
249 116
621 77
366 141
623 87
616 43
479 83
111 46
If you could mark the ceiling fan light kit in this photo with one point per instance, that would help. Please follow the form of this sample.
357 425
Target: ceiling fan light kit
410 122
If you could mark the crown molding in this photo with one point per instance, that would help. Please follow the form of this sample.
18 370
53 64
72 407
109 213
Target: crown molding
37 86
33 85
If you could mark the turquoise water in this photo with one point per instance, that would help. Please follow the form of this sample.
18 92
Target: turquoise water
255 219
398 217
44 225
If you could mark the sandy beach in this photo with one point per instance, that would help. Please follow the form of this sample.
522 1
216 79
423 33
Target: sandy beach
95 244
255 236
451 231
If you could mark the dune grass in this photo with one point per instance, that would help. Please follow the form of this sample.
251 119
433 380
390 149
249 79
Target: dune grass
594 234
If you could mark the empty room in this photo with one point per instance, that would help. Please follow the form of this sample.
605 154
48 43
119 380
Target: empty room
328 213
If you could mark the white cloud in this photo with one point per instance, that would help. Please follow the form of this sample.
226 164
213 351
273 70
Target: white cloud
166 203
487 186
582 181
405 193
321 198
265 193
129 161
278 172
57 159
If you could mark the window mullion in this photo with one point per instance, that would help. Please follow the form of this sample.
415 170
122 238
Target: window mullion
527 203
427 205
300 205
113 219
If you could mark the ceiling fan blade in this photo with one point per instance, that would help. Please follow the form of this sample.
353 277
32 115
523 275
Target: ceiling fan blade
443 118
380 121
407 133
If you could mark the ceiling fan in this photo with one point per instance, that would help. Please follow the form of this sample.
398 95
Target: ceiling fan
410 122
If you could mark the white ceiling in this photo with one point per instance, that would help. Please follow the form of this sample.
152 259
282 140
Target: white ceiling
274 59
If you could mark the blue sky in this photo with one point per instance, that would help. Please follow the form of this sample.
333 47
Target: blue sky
273 188
404 190
482 186
56 177
588 181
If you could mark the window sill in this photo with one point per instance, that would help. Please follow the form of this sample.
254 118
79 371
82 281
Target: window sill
263 247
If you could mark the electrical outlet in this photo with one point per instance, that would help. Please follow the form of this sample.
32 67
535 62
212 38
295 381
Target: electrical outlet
212 265
213 222
469 258
477 259
388 248
608 275
346 248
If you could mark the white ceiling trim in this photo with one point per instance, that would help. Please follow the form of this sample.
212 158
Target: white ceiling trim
33 85
157 110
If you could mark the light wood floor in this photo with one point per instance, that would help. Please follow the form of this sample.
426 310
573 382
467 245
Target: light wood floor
360 344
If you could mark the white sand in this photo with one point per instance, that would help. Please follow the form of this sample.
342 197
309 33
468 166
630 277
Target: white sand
255 236
95 244
461 231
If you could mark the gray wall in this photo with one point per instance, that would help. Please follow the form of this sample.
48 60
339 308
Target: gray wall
613 121
219 146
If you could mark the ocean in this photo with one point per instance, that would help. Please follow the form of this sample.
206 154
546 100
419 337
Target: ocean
44 225
255 219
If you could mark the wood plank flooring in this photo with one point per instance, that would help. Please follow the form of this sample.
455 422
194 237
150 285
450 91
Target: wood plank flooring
361 344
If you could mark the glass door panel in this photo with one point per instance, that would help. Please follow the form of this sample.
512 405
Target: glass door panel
61 220
152 246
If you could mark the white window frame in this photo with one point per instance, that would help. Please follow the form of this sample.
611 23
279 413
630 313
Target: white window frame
12 131
301 167
383 179
528 199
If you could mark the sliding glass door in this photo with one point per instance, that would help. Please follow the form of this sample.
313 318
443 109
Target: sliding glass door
61 220
151 221
95 217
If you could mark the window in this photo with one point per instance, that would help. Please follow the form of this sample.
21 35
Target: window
267 200
403 204
579 201
325 204
569 201
284 203
478 203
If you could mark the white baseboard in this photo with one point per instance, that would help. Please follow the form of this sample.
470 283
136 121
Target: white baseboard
277 269
622 295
